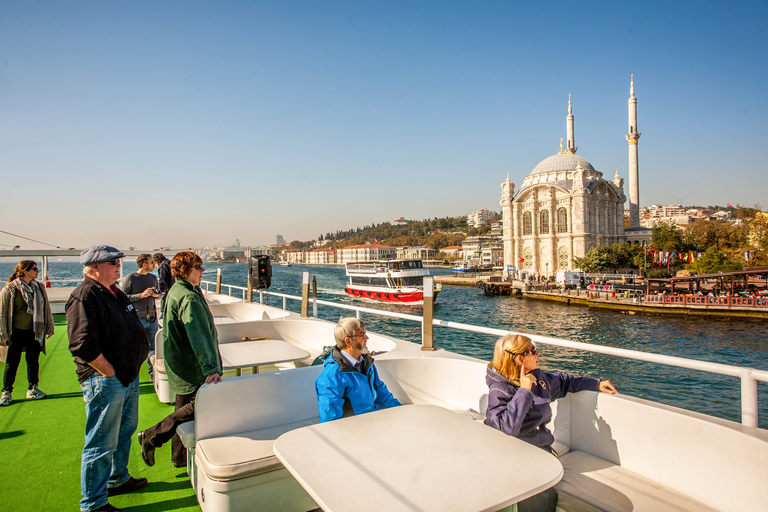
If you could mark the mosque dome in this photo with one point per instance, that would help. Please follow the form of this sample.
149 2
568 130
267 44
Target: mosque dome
561 162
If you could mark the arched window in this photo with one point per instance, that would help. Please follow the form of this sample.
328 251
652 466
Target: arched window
527 228
562 221
544 224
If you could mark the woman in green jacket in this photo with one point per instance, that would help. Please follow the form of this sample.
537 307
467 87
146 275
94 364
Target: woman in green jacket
191 352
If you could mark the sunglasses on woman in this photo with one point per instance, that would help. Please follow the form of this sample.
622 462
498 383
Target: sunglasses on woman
198 267
531 351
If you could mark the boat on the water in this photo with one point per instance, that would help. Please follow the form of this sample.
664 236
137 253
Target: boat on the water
389 280
285 264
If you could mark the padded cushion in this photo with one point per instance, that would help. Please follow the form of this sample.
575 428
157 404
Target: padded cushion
591 483
186 432
242 455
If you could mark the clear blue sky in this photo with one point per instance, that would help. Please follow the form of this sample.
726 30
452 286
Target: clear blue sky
194 123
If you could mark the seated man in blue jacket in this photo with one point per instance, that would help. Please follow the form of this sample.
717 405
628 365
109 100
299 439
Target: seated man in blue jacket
349 383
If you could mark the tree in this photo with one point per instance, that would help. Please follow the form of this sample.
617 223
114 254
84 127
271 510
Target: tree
668 237
715 260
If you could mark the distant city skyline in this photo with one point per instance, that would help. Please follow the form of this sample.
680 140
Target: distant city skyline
144 124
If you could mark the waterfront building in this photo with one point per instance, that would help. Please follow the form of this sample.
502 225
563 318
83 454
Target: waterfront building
416 252
563 209
294 256
260 251
402 221
474 246
453 251
364 252
477 218
321 256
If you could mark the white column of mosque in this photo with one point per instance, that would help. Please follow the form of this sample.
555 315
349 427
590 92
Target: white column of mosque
632 137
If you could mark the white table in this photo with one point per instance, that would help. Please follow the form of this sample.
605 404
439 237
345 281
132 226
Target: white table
242 354
414 457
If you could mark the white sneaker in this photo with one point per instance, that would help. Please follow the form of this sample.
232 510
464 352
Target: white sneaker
6 399
35 393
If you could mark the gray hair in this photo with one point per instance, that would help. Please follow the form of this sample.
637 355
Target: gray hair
346 327
87 269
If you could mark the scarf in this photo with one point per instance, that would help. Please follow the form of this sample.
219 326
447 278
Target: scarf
34 299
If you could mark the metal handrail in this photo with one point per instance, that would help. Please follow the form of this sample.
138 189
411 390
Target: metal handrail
749 376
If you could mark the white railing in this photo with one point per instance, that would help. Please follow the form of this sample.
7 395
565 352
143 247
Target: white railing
749 376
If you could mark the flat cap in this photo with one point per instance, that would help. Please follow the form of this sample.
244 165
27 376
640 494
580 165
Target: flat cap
99 254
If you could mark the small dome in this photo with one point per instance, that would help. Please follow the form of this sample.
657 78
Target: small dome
561 162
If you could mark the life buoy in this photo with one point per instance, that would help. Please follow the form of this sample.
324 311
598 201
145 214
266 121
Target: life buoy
389 275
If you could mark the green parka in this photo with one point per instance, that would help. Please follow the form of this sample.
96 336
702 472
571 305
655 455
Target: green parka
190 342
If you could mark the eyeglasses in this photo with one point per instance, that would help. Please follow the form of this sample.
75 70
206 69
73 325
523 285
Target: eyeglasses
363 335
532 351
113 262
33 269
198 267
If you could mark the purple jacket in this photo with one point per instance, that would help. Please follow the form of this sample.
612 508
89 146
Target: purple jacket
522 413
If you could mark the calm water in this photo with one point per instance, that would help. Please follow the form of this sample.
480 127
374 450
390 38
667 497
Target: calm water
729 342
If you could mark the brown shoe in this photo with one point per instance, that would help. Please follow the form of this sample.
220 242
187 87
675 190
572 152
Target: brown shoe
147 450
132 484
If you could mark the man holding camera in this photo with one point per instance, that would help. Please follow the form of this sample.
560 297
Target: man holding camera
141 287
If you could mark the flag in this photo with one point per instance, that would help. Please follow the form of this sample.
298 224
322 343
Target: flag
282 244
521 260
375 240
729 205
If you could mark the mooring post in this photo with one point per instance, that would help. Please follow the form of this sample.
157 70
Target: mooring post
218 280
305 295
427 340
314 296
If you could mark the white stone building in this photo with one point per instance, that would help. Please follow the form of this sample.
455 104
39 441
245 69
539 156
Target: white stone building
365 252
563 209
478 218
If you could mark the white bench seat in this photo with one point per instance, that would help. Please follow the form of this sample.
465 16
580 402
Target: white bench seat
593 484
242 455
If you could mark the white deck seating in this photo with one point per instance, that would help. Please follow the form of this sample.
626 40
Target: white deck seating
236 424
629 454
160 382
619 453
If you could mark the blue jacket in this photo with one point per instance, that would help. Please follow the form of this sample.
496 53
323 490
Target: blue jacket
522 413
344 391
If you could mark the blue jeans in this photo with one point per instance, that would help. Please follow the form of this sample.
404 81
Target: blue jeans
151 329
112 415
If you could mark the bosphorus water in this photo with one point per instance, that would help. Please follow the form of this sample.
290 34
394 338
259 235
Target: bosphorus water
739 343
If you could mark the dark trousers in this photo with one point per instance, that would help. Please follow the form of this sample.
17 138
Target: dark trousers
166 430
22 341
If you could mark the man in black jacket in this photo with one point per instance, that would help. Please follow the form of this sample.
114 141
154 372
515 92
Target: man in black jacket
109 345
166 279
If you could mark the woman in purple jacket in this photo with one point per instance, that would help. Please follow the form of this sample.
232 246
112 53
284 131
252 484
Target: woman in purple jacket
519 396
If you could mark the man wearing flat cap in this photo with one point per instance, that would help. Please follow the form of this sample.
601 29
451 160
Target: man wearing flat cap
109 344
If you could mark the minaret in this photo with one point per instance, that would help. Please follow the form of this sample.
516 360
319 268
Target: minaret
571 143
632 138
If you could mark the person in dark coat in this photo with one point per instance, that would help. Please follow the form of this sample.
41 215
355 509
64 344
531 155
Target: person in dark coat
519 398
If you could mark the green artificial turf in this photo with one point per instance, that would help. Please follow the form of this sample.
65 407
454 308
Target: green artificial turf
41 443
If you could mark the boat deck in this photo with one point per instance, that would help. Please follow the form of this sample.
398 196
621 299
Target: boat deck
42 441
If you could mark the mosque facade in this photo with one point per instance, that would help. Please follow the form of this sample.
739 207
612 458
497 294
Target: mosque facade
563 209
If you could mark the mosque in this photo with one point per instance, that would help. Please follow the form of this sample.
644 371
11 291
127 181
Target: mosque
564 207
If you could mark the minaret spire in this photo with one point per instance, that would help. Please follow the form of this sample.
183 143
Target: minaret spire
571 143
632 137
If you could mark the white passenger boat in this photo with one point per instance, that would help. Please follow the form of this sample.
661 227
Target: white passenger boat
389 280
